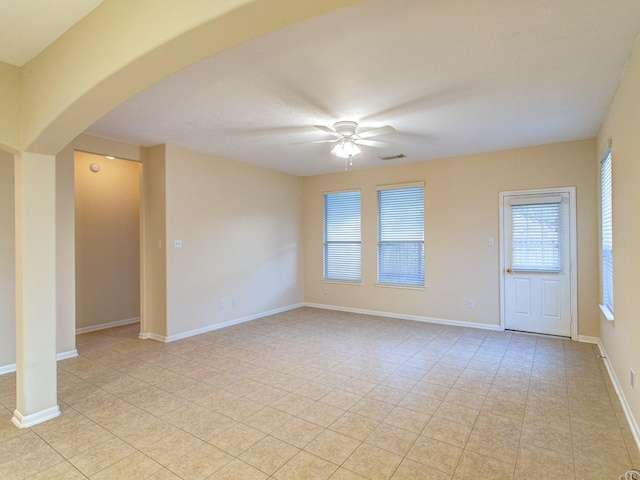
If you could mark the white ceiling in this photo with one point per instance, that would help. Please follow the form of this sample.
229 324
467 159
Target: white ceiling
452 76
28 26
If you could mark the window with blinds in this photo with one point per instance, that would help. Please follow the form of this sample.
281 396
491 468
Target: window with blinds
401 234
342 237
535 237
607 235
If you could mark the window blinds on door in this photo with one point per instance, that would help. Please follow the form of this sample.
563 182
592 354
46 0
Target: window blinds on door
535 237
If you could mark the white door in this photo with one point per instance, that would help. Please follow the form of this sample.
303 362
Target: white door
537 252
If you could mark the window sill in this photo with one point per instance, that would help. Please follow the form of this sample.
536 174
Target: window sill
608 314
405 287
342 282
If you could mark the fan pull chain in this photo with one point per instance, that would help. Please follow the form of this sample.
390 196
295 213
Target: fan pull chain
348 162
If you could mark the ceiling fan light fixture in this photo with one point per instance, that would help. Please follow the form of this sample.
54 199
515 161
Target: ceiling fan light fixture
345 149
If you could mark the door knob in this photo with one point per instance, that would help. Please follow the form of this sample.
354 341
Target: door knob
508 270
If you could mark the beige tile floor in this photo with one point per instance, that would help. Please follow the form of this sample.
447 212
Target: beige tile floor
317 394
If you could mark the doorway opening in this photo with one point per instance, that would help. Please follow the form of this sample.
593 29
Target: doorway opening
107 241
538 256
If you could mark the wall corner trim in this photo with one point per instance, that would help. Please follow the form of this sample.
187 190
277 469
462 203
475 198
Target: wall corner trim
588 339
24 421
635 430
153 336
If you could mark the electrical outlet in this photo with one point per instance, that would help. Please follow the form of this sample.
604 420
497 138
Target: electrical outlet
221 304
234 303
325 290
469 303
491 241
177 244
633 379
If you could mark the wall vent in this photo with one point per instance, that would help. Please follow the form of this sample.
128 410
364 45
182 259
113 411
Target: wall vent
393 157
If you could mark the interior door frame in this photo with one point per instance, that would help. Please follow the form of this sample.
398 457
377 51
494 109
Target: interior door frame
573 251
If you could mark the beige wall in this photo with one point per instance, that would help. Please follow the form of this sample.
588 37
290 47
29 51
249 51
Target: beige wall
7 262
10 114
65 252
461 214
107 239
621 337
154 234
241 232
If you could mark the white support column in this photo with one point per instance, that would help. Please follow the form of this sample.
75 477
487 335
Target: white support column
35 203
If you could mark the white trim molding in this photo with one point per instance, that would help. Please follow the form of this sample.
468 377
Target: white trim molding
635 430
25 421
608 314
4 369
588 339
402 316
104 326
216 326
152 336
65 355
59 356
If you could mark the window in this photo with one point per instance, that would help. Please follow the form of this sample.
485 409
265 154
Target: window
607 239
342 244
401 234
535 237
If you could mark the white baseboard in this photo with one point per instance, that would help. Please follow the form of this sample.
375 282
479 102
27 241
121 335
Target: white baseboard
209 328
588 339
104 326
59 356
417 318
152 336
65 355
8 368
623 401
24 421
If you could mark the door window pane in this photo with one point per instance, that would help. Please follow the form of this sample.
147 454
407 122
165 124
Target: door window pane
535 237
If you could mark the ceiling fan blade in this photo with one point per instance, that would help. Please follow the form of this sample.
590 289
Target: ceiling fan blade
333 140
373 143
377 131
327 130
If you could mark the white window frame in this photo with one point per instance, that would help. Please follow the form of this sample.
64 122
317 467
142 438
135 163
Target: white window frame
354 239
385 282
606 235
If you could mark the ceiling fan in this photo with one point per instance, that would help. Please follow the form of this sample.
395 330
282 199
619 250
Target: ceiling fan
347 140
